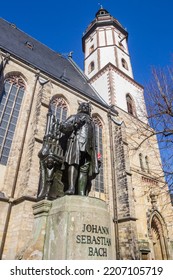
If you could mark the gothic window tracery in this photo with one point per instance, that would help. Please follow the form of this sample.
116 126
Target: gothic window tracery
99 182
10 103
59 108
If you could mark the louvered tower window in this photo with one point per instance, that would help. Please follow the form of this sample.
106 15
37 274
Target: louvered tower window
99 181
10 103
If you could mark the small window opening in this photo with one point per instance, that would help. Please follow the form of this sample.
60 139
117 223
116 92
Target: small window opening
29 45
141 161
91 49
147 164
13 25
124 63
91 67
121 46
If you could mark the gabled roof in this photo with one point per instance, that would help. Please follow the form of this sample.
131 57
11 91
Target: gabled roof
36 54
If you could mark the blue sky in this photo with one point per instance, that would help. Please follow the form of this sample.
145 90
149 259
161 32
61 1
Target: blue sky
60 25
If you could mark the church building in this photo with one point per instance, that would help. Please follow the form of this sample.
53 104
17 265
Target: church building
33 79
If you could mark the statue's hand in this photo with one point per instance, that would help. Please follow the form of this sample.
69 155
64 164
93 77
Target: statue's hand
66 127
78 124
60 126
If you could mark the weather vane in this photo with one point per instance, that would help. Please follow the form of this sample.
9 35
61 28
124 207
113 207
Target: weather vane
101 6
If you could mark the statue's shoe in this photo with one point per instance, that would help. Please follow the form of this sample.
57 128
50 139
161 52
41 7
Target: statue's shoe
70 192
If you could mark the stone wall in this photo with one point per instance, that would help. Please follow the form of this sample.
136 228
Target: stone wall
149 192
126 218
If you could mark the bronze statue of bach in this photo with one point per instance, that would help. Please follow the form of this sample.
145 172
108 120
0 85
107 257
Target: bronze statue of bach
68 158
80 158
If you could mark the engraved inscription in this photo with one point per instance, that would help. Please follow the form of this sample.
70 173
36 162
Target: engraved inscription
97 237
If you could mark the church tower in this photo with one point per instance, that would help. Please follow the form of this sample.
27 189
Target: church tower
108 65
137 168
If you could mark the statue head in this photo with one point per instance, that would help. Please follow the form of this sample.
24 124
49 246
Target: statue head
50 163
84 107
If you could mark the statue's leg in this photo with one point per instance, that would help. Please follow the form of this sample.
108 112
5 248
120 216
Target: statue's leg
42 187
57 188
72 178
83 179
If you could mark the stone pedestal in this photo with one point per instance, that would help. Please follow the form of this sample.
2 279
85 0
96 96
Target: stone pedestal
34 249
70 228
78 228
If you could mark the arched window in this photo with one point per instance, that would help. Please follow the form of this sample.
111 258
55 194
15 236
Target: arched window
91 67
59 108
91 49
10 103
99 181
124 64
141 161
130 105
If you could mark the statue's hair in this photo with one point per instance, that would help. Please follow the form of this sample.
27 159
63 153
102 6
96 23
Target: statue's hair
81 104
